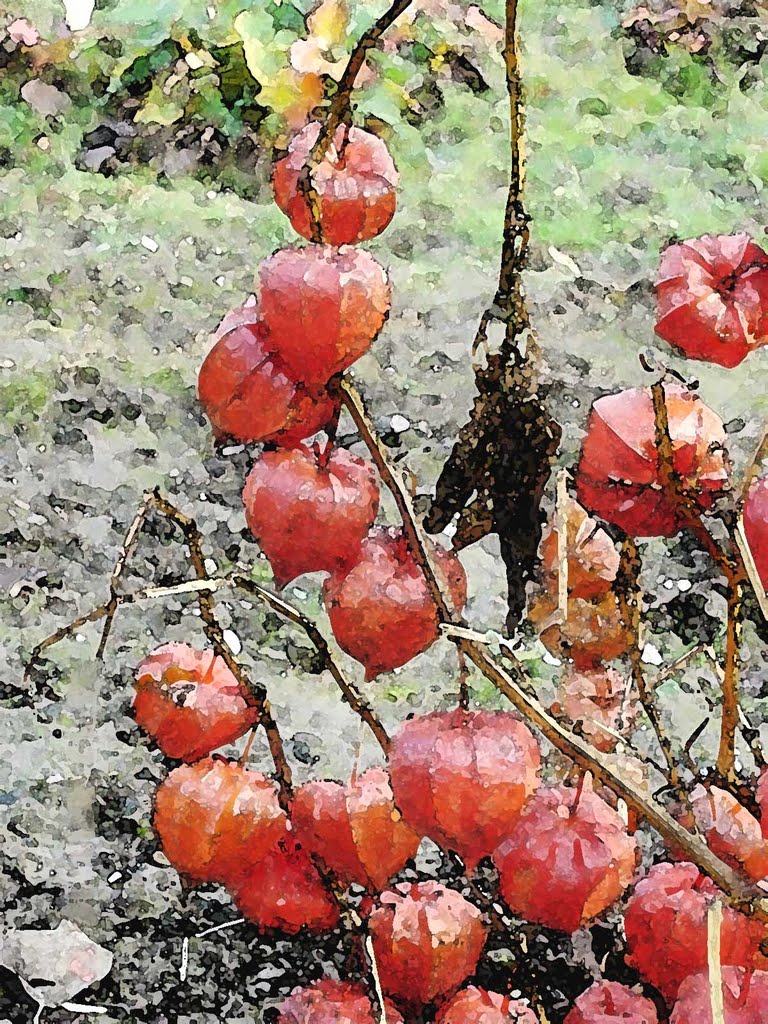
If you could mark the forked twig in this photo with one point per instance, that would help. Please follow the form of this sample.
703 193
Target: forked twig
128 545
203 588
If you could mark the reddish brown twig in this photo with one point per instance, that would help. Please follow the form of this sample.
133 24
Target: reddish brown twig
629 597
340 107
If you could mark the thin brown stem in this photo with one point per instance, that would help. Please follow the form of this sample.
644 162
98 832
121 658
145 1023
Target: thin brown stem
463 679
726 755
629 595
129 542
254 694
339 109
414 534
61 634
349 691
206 587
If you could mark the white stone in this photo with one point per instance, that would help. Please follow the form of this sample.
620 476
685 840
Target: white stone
651 655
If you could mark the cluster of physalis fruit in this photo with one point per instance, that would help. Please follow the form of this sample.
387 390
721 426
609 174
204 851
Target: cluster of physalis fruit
470 780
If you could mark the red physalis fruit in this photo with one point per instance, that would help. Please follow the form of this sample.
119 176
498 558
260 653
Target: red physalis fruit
732 832
594 701
476 1006
607 1002
594 631
333 1002
592 558
756 526
567 842
666 928
323 307
427 940
216 820
355 830
712 296
284 891
381 611
462 777
761 796
249 394
310 510
745 998
189 702
355 185
619 469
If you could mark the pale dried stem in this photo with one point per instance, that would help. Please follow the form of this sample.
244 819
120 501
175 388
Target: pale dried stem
714 928
561 525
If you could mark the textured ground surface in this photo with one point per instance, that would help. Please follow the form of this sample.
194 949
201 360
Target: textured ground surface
111 286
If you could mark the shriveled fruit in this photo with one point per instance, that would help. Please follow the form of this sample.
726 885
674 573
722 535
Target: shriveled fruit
608 1001
477 1006
566 859
381 610
756 526
354 183
619 473
189 701
427 940
249 394
594 701
666 928
323 307
284 891
745 998
216 820
355 830
462 777
712 296
731 831
591 557
594 631
333 1002
309 512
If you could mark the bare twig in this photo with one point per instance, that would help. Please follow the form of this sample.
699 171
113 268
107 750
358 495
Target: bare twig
730 711
254 694
561 525
207 587
61 634
339 109
463 679
714 928
630 600
129 543
414 534
350 693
